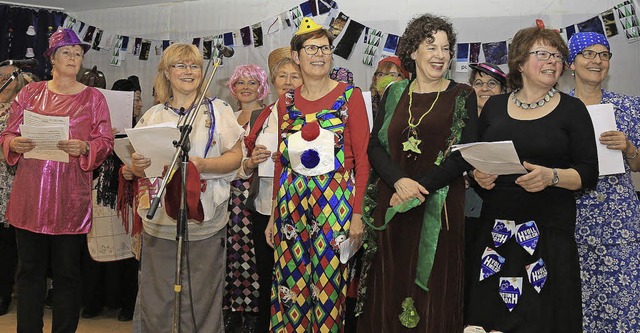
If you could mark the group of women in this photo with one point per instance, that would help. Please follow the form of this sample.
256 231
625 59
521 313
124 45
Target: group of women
287 191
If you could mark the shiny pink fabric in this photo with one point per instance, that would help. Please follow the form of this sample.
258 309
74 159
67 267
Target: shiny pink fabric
53 197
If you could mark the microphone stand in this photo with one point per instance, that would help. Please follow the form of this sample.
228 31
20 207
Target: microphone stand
11 78
182 153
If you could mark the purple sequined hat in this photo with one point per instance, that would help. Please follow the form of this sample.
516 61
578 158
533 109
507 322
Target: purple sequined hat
64 37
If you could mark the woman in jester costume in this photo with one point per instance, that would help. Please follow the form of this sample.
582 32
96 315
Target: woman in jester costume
320 180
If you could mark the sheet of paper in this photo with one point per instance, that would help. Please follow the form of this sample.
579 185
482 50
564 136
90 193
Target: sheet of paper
367 103
603 117
156 143
348 249
120 108
496 158
269 140
123 149
46 139
35 119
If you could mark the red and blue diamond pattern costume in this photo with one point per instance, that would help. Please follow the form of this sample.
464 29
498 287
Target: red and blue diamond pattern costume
312 218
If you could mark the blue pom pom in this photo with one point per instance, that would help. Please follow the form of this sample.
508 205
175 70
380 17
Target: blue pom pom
310 158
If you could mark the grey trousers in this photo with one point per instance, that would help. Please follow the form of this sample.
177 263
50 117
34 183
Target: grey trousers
206 259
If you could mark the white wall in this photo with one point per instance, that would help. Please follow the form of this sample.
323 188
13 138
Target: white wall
489 20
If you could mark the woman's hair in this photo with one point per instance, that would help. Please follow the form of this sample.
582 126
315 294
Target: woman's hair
131 83
418 30
298 40
175 53
284 61
521 46
253 71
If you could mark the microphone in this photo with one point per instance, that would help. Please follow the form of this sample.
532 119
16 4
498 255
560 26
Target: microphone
20 63
225 51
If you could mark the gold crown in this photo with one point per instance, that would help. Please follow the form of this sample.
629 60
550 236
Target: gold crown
308 25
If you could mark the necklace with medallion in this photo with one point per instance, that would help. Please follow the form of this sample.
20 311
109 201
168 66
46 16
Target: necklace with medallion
413 140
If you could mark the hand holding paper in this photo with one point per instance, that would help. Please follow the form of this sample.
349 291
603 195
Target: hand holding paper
537 179
156 144
22 145
604 120
495 158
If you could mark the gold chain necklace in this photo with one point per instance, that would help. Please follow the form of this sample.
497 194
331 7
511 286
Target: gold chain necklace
412 143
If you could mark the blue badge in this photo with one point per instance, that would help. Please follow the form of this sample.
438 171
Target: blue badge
527 235
537 273
502 231
510 291
491 263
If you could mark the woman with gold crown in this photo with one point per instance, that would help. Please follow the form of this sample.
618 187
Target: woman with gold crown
322 173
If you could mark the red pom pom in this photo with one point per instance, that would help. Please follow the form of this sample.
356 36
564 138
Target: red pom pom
310 131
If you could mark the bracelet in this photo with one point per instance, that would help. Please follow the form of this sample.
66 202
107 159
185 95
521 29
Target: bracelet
632 157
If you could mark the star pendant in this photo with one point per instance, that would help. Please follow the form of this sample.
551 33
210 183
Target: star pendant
412 144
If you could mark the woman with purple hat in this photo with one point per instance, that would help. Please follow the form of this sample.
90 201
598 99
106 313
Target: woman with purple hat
608 216
50 204
487 80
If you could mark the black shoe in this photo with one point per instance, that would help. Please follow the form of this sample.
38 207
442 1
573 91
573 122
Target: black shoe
4 305
91 311
249 323
232 321
125 315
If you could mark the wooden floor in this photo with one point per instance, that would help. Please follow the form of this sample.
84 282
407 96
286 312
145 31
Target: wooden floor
107 322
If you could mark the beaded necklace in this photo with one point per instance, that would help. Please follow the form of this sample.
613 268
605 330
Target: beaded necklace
413 140
526 106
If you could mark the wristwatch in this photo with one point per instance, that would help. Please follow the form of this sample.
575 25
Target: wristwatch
555 179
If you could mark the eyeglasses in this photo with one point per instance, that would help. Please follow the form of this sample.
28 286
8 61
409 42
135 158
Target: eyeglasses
478 84
392 74
313 49
546 55
604 55
183 67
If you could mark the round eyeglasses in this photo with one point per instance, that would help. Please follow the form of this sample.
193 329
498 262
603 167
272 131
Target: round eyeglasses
394 75
478 84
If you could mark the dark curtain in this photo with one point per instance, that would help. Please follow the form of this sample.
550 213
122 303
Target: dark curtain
16 44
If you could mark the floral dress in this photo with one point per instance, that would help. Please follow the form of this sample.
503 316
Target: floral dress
607 233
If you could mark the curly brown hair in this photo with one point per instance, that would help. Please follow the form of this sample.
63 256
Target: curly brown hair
520 48
418 30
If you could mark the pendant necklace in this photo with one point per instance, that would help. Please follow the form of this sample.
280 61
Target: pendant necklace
413 142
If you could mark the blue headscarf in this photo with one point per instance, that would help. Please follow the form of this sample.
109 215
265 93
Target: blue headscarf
582 40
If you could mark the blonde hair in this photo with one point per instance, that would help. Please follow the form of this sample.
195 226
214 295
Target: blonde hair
175 53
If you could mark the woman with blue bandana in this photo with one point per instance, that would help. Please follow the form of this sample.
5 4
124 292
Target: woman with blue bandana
608 217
